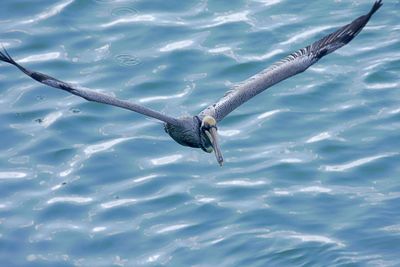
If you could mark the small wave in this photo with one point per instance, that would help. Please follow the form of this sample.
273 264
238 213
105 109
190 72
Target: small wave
119 202
309 189
315 189
176 45
245 183
317 238
380 86
268 2
185 92
263 57
144 178
356 163
229 18
219 50
166 160
50 12
108 1
203 199
228 133
89 150
41 57
135 18
51 118
319 137
171 228
99 229
76 200
271 113
395 228
12 175
291 160
306 34
302 237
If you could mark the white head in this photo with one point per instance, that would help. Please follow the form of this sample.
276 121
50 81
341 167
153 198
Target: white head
208 128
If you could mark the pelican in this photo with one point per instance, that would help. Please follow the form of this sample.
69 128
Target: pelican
200 131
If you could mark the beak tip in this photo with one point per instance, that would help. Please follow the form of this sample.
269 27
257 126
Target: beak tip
212 134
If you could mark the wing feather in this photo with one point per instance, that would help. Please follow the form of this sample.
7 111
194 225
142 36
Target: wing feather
291 65
87 94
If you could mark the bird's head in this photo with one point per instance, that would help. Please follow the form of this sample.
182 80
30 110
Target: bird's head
196 132
209 136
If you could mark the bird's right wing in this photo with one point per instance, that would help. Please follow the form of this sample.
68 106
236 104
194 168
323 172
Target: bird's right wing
87 94
293 64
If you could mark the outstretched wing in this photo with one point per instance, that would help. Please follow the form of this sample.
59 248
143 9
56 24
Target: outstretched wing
293 64
87 94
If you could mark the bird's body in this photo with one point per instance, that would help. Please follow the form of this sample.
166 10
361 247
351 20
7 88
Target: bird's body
186 132
201 131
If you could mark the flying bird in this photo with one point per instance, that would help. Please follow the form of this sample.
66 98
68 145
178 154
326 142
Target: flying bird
200 131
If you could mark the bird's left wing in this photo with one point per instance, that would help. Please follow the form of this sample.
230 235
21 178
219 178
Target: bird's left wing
87 94
293 64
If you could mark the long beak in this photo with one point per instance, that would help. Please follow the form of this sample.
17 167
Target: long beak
212 134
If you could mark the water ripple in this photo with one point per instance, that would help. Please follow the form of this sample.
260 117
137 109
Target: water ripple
319 137
116 203
241 183
303 237
89 150
40 57
169 228
69 199
127 60
228 18
166 160
12 175
311 173
50 12
123 11
356 163
176 45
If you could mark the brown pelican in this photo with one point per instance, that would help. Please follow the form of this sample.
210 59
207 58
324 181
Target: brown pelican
201 131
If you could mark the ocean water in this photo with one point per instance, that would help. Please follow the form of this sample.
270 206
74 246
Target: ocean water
311 174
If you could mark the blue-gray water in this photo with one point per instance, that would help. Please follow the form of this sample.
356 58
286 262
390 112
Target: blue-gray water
312 172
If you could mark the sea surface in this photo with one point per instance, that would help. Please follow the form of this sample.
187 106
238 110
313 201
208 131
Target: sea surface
311 174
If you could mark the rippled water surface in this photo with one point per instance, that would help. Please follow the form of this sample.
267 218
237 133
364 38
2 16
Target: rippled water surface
312 172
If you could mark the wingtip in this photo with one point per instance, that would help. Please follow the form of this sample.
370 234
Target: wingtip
375 7
4 56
